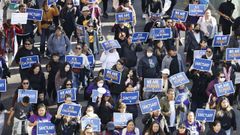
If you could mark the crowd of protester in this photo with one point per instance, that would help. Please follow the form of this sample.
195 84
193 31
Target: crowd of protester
160 59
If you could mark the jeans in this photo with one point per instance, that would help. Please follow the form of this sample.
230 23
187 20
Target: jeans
79 78
44 37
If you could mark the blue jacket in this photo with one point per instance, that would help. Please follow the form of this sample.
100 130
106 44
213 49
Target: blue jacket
61 45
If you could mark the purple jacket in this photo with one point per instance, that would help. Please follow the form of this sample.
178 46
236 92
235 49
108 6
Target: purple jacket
92 86
35 117
210 89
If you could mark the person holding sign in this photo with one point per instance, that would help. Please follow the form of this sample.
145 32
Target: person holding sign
26 50
41 116
46 25
226 115
79 74
109 58
195 127
20 113
64 73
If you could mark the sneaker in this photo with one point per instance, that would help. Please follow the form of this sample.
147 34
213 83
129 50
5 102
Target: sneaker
105 15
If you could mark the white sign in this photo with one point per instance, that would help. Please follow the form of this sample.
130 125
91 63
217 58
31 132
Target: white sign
19 18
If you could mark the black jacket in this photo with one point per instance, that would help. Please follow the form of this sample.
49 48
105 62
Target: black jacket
146 69
23 52
37 81
128 52
221 132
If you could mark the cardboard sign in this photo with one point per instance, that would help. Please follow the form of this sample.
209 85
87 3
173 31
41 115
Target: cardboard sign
94 122
207 115
179 15
28 61
121 119
19 18
61 94
140 36
149 105
3 85
198 53
237 77
152 85
178 79
34 14
130 98
202 64
124 17
232 54
91 60
112 75
221 40
224 88
197 9
45 128
94 96
80 30
110 44
71 110
75 61
32 94
50 2
180 98
161 33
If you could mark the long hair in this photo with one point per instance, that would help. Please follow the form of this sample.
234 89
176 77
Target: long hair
63 73
35 65
150 131
221 110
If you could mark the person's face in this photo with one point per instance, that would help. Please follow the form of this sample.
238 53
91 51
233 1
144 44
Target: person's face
190 117
182 130
130 73
172 53
36 70
209 52
129 88
119 66
155 128
160 44
203 44
41 96
55 58
217 128
78 49
58 32
28 45
100 83
122 110
164 76
67 68
225 104
25 84
129 40
106 98
89 110
85 48
156 113
221 78
196 2
23 9
88 132
130 126
41 111
86 13
171 95
169 23
46 7
68 100
197 27
208 13
69 84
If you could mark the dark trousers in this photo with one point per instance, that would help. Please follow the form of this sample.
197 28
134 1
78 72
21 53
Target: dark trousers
44 37
144 3
105 5
21 39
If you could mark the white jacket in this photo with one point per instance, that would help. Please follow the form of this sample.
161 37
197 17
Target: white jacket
109 59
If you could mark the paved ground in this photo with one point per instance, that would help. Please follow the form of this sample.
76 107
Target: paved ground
13 82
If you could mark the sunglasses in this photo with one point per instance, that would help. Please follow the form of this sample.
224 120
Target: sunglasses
25 83
68 84
78 48
222 76
209 51
27 44
69 3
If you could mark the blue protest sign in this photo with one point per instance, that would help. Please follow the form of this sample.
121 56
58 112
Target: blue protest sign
161 33
207 115
202 64
221 40
45 128
178 79
28 61
3 85
149 105
71 110
232 54
91 60
34 14
130 98
179 15
75 61
50 2
196 9
198 53
32 94
91 1
156 16
61 94
179 98
15 1
76 2
121 119
124 17
110 44
94 96
94 122
112 75
140 36
152 85
80 30
224 88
